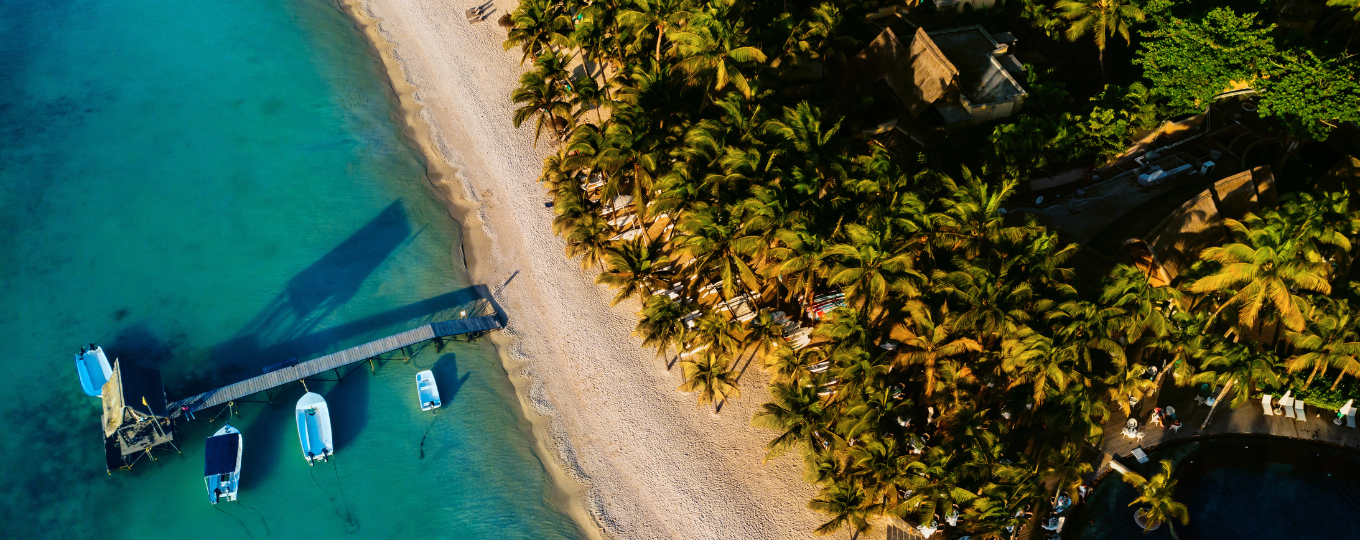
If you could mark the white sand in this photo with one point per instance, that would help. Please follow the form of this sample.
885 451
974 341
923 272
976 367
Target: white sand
632 456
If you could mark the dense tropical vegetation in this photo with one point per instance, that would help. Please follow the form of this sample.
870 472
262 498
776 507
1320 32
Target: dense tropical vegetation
929 354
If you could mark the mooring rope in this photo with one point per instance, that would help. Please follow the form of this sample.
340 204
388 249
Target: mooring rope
349 517
257 512
238 520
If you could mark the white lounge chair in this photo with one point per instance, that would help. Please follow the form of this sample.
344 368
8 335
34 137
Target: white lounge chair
1287 405
1299 413
1140 455
1265 405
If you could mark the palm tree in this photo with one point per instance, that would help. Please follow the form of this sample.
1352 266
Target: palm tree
589 95
1330 340
884 469
929 343
1126 385
1261 271
796 411
538 25
973 221
651 17
1102 18
987 303
1156 493
1139 304
815 151
591 239
660 325
1230 361
1032 359
818 39
1325 222
711 50
802 259
714 238
848 505
717 332
763 334
708 375
542 98
1084 331
634 267
788 365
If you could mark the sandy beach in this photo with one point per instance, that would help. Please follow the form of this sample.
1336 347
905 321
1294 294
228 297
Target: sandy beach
632 457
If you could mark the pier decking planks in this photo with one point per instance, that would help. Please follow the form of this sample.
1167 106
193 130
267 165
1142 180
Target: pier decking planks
332 361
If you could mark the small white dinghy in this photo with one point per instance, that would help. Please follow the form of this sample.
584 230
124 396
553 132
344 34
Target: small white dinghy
94 370
222 464
314 428
428 391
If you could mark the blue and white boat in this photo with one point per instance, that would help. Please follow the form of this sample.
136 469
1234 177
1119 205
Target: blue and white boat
427 390
94 370
314 428
222 464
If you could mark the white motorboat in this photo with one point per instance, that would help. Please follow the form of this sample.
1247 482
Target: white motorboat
94 370
314 428
222 464
427 390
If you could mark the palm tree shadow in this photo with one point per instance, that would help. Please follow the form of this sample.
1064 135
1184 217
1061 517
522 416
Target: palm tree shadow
446 376
329 283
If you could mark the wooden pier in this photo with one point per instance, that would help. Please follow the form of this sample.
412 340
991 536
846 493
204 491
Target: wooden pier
336 360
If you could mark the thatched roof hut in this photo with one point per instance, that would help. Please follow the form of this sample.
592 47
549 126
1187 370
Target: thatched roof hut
905 58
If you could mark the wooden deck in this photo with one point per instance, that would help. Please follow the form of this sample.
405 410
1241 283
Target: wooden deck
1247 419
332 361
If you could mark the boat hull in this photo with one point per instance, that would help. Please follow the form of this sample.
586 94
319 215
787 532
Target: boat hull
94 370
314 428
427 391
222 466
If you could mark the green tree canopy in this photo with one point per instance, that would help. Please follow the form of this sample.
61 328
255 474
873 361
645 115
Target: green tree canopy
1311 95
1191 61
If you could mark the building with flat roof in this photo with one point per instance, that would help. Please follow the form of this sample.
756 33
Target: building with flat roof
987 90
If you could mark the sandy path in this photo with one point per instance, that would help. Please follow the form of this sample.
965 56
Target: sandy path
653 464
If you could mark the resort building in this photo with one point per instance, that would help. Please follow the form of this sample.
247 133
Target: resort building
919 79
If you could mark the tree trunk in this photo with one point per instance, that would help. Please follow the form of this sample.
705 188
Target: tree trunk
1102 64
657 55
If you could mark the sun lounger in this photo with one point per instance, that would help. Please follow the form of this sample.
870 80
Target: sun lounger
1299 413
1287 405
1140 455
1265 405
1350 418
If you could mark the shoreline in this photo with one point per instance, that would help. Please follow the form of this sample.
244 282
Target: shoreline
628 456
440 175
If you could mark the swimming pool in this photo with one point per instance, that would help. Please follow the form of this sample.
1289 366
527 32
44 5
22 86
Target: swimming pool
1239 487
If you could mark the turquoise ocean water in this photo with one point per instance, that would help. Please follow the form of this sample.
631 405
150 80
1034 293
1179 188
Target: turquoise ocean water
208 188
